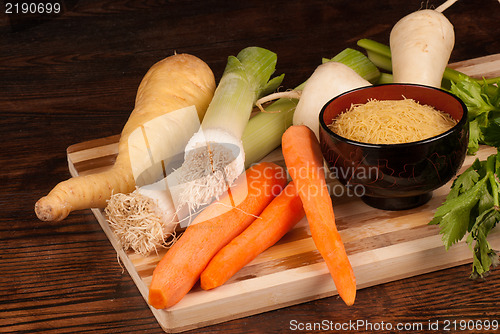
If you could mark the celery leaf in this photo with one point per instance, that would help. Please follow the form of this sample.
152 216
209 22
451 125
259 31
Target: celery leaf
483 105
453 217
484 256
472 209
473 95
491 133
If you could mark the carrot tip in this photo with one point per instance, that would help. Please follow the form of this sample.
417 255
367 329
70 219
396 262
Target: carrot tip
156 299
348 296
207 283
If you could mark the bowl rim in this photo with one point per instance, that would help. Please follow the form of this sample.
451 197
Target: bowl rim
459 124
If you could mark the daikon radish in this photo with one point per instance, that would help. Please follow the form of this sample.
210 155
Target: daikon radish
181 83
421 45
328 80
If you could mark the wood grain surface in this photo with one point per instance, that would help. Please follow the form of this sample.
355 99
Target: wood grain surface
382 246
72 77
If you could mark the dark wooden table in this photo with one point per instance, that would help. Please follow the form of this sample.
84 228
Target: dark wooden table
73 76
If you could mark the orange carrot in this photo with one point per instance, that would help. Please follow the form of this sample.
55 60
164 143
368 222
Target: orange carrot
275 221
304 162
181 267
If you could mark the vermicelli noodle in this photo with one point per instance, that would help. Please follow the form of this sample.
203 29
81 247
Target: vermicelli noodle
391 122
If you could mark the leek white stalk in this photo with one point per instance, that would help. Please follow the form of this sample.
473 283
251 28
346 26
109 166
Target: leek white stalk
214 156
146 218
143 220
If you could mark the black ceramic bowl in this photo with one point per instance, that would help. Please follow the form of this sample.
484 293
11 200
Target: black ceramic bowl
395 176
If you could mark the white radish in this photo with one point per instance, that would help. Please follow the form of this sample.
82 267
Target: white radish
421 45
327 81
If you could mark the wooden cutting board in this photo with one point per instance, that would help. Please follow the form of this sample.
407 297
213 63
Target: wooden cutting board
382 246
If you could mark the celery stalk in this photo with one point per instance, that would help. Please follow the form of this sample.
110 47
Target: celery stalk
385 78
381 61
374 46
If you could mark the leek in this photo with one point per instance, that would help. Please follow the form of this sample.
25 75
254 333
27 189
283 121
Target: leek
359 63
264 130
215 157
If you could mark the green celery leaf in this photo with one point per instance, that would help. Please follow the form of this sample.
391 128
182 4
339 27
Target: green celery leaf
493 93
496 171
453 216
465 181
473 95
475 137
473 206
484 256
482 101
485 202
491 133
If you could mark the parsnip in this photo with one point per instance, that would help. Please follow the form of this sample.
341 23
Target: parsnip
176 83
421 45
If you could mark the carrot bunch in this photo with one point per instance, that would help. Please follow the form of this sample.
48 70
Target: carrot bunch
257 212
214 228
283 213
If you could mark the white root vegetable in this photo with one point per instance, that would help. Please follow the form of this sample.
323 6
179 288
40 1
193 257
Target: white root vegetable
328 80
421 45
172 98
